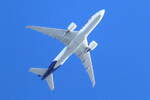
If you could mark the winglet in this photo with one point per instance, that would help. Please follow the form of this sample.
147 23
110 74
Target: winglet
93 84
28 26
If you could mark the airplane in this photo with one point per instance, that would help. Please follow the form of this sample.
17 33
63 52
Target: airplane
75 42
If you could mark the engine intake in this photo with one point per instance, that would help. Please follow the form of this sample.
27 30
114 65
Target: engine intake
92 46
72 27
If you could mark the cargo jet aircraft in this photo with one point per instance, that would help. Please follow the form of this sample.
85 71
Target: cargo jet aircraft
75 42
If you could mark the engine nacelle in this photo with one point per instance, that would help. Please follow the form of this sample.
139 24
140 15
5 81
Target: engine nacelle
92 46
72 27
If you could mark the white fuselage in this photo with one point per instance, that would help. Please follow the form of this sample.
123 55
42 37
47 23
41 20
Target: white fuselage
76 42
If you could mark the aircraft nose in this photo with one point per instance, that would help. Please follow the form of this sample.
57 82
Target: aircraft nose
101 12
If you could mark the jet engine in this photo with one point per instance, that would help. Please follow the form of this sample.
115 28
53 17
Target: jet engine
71 27
92 46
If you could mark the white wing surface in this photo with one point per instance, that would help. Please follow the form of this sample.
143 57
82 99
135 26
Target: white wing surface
63 35
85 57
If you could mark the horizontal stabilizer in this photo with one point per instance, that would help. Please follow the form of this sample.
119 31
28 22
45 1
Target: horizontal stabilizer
50 81
38 71
41 72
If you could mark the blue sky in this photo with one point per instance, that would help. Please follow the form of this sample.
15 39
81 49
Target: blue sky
121 61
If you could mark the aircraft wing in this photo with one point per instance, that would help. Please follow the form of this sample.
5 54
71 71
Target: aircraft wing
86 60
63 35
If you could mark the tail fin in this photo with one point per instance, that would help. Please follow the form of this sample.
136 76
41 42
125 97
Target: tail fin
40 72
